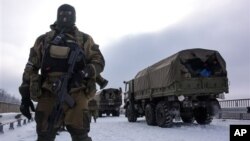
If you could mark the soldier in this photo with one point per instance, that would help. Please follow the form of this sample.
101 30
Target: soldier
93 109
50 56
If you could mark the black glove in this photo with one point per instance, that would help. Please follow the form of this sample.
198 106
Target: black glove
24 90
25 107
88 72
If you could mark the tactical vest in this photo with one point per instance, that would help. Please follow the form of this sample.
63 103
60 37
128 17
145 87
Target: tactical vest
56 56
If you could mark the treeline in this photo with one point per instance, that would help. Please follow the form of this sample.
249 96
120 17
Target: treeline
6 97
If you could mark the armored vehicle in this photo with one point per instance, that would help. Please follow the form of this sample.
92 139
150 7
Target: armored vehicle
109 101
183 86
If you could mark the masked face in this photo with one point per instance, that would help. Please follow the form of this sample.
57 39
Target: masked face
66 16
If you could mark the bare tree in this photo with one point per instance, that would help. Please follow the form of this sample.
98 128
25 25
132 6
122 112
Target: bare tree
6 97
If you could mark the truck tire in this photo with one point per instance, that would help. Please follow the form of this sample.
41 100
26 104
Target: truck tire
115 113
100 114
131 115
126 112
150 114
213 107
163 115
202 115
187 115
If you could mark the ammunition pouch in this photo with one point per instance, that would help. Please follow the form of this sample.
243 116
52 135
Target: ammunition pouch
77 80
35 86
59 52
86 84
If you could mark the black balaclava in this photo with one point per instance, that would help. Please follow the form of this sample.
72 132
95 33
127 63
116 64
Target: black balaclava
66 16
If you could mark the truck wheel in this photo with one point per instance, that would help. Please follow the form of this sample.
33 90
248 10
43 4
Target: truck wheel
163 116
115 113
100 114
118 113
131 115
202 115
126 112
187 115
213 107
150 114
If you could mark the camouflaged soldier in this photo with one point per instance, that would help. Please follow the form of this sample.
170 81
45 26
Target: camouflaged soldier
52 61
93 109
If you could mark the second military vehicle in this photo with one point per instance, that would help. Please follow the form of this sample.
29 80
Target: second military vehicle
185 85
109 101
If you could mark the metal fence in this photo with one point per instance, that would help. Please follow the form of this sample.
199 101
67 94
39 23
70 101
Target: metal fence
13 120
235 103
230 109
235 109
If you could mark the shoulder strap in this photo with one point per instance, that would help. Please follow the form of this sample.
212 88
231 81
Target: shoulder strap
80 37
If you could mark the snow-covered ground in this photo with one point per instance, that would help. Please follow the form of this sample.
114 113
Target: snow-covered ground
119 129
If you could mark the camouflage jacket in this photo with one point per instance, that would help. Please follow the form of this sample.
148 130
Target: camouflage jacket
92 54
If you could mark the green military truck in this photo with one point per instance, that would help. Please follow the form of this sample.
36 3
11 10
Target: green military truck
185 85
109 101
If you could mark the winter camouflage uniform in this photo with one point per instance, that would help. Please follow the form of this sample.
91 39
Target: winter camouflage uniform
40 89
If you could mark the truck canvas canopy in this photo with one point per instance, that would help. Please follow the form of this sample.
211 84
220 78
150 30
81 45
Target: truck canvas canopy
186 64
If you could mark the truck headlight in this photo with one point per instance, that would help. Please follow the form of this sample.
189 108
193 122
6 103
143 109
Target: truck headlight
181 98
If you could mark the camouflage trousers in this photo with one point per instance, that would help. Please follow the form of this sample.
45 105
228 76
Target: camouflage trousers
76 119
94 114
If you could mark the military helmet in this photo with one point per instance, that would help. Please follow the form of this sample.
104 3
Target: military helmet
66 16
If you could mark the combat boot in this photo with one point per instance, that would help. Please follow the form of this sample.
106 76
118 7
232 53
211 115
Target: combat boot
81 134
78 134
45 136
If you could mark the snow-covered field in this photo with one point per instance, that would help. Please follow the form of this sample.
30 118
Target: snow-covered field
119 129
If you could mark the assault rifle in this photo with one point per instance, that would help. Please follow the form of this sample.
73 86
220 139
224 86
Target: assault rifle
60 87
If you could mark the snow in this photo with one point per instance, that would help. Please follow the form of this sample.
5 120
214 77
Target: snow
119 129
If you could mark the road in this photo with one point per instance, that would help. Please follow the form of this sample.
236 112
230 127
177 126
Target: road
119 129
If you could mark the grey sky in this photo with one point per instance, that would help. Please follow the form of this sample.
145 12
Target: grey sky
226 29
221 25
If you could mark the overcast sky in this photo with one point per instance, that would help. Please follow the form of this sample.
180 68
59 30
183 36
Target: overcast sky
133 34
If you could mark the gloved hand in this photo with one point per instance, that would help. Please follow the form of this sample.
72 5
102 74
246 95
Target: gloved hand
25 107
88 72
